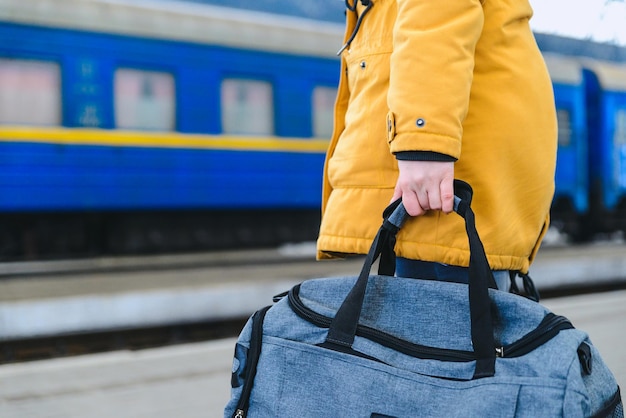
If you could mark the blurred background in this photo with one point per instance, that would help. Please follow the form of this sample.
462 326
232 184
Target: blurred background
142 127
160 179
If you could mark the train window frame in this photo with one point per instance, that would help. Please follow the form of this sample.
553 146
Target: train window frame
564 140
45 107
125 117
322 122
249 120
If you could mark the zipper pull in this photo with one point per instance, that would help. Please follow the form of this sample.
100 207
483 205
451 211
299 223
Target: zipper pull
499 351
240 413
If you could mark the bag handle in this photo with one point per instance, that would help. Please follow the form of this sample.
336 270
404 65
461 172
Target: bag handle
343 327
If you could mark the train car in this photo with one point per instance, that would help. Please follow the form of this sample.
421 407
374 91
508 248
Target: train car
159 126
572 178
589 84
605 85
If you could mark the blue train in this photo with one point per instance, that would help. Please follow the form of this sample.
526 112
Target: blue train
590 93
157 126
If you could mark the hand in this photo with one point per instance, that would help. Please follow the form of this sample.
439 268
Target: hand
425 185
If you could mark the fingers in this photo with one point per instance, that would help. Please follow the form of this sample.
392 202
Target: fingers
447 196
413 205
425 186
409 200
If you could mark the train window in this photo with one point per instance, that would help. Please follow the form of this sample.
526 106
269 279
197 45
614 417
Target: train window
323 111
247 107
144 100
620 127
565 127
30 92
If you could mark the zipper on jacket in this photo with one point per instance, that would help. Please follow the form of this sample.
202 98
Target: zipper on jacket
549 327
254 352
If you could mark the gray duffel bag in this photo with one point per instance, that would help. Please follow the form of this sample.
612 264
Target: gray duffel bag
385 346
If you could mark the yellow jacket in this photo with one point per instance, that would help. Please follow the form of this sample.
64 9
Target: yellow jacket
472 73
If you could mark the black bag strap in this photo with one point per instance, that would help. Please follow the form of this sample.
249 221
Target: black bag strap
343 327
254 352
530 290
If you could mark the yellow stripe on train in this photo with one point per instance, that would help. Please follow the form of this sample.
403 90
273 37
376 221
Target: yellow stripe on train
120 138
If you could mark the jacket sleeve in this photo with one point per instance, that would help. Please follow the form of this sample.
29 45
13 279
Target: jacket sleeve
432 66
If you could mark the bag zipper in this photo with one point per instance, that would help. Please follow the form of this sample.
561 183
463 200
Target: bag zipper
254 352
548 328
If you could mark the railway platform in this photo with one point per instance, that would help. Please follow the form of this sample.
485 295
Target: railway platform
68 297
192 380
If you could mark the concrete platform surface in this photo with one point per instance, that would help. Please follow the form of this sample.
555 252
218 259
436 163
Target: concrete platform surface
110 294
192 380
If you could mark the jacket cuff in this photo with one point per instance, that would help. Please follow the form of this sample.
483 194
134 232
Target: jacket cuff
423 156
